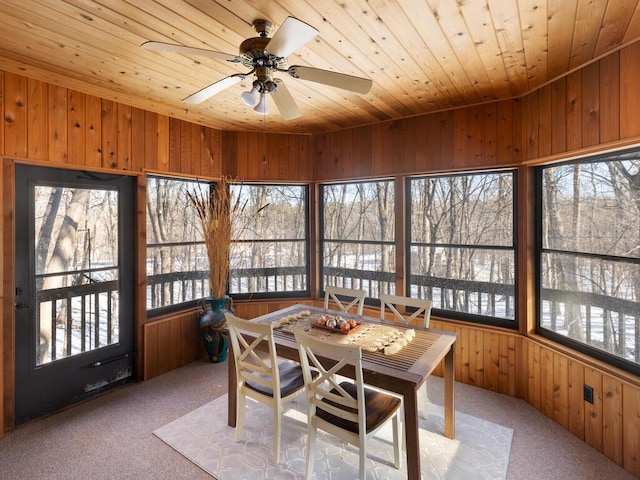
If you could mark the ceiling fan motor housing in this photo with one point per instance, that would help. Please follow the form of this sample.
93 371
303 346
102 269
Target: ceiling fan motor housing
253 50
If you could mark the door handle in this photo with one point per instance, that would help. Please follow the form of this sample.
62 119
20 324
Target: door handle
21 305
108 360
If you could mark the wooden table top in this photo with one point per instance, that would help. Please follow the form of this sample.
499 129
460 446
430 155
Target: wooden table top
413 362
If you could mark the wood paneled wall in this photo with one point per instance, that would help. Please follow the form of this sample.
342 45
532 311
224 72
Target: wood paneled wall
49 125
485 358
585 109
611 424
171 342
274 157
487 135
551 379
590 110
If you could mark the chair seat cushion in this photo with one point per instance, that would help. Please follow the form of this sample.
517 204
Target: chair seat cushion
379 406
291 380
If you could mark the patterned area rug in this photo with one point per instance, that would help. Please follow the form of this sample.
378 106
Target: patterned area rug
479 451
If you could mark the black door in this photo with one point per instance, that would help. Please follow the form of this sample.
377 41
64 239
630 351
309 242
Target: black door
74 286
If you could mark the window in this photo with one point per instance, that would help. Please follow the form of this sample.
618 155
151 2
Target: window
358 236
589 256
461 245
177 265
270 247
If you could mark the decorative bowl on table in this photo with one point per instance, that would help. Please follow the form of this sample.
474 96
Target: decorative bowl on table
337 324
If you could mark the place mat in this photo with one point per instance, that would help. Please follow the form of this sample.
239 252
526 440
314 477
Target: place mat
480 450
371 337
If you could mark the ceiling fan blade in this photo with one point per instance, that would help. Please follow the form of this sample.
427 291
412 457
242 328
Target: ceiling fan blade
208 92
293 33
170 47
333 79
285 102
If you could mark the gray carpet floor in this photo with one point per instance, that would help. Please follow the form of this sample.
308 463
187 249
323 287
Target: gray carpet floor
111 437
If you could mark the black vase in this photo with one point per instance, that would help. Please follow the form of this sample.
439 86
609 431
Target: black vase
213 326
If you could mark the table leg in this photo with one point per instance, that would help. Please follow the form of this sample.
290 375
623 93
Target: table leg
231 395
412 433
449 400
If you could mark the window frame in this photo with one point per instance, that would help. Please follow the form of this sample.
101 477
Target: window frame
307 242
540 250
512 324
189 304
322 240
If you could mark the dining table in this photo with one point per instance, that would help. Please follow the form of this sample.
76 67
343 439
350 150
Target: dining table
401 372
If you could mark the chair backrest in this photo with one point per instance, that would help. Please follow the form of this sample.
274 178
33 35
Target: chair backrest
252 367
345 407
422 309
344 298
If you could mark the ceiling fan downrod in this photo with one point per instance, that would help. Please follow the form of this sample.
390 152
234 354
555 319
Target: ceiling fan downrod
263 27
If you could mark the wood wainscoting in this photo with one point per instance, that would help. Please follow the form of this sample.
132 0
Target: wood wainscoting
486 357
170 342
551 378
555 380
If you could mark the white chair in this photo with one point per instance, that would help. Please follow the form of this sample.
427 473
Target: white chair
261 376
420 316
347 410
344 298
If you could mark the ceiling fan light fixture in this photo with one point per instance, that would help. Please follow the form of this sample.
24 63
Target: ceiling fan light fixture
261 107
250 98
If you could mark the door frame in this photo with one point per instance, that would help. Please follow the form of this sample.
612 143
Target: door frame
7 270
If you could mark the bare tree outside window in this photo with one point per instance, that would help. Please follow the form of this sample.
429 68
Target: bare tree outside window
358 237
590 258
76 244
177 264
462 247
269 249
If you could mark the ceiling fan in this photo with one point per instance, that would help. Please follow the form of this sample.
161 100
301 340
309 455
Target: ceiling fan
265 55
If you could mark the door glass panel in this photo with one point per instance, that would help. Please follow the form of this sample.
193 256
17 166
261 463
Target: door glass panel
76 265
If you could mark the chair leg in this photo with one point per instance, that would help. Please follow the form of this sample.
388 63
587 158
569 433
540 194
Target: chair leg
422 401
362 470
311 448
240 416
277 419
398 434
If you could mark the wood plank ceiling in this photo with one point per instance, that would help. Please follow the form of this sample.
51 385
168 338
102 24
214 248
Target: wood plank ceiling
422 55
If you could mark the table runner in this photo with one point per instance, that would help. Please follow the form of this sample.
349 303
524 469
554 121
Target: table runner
371 337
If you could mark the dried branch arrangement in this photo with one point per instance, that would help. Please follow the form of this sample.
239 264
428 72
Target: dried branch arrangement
215 209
